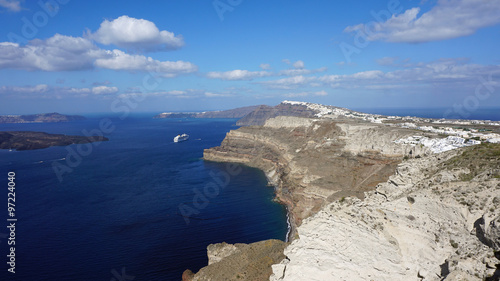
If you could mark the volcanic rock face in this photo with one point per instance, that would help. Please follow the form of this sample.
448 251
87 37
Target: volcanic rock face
239 261
431 220
260 115
313 162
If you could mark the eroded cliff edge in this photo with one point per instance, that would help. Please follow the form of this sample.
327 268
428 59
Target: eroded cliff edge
424 216
312 162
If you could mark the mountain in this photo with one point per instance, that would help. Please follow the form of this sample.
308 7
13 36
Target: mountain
232 113
372 197
39 118
20 140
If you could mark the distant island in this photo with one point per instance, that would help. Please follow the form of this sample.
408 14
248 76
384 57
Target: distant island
38 140
39 118
232 113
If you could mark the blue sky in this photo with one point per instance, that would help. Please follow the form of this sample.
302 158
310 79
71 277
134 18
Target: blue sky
188 55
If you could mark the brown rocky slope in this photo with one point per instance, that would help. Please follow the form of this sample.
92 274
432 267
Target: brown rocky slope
428 218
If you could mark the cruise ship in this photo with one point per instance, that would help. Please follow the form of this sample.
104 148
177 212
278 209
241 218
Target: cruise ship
182 137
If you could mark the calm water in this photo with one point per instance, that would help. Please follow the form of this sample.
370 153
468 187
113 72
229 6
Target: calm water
116 215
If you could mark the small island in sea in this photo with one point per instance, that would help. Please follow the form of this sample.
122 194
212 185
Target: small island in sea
40 118
22 140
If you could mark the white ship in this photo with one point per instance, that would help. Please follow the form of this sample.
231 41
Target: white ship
182 137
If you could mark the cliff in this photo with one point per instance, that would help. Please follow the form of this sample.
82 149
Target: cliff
313 162
436 218
20 140
232 113
40 118
239 261
262 113
377 198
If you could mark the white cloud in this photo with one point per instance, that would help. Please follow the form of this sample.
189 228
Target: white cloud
63 53
104 90
11 5
454 74
288 83
46 91
136 34
57 53
306 94
448 19
265 66
301 71
119 60
238 74
247 75
298 64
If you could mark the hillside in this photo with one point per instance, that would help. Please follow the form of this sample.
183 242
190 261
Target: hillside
40 118
375 197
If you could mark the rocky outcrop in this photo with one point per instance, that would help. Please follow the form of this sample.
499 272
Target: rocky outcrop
239 261
260 115
40 118
232 113
20 140
422 224
369 207
313 162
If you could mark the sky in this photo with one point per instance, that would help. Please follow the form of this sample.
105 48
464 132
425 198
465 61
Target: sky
90 56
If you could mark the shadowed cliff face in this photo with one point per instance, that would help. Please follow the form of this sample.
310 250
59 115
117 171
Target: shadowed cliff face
314 162
262 113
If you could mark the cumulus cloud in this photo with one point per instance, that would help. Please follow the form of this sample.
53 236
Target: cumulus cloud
104 90
450 73
119 60
63 53
306 94
300 71
298 64
265 66
448 19
46 91
238 74
247 75
57 53
11 5
136 34
288 83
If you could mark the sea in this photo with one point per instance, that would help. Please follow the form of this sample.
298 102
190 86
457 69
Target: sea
136 207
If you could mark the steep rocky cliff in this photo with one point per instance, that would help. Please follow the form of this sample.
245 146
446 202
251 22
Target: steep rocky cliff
262 113
435 219
313 162
367 206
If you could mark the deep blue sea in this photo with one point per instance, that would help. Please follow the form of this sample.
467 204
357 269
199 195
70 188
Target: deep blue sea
116 214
